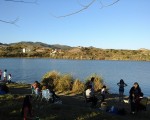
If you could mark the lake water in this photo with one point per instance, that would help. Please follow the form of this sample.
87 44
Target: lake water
29 70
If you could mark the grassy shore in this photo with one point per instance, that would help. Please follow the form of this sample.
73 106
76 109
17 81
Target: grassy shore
73 107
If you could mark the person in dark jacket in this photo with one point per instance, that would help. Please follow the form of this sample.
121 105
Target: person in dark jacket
135 97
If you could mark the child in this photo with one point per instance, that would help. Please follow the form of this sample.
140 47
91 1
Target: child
103 93
9 78
5 75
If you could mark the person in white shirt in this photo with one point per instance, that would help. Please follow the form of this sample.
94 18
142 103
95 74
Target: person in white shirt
9 78
5 74
103 93
90 96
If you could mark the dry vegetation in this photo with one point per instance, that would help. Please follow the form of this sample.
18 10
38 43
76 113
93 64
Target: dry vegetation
67 52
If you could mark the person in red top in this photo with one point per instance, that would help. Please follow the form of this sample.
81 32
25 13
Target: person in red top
27 108
1 74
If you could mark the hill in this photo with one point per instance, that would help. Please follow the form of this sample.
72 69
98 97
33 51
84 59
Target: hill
39 49
40 44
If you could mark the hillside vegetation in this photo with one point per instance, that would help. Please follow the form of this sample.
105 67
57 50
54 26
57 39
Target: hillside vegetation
38 49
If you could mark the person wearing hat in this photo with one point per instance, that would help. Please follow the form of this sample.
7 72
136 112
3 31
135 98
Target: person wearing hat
135 97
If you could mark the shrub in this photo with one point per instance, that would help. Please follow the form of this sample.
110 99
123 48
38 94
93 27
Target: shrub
50 79
64 83
98 81
78 86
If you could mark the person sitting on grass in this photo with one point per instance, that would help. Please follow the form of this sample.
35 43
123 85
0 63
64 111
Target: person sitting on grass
90 97
27 108
49 94
54 96
35 85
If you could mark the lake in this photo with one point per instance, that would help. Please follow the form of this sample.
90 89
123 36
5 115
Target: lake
29 70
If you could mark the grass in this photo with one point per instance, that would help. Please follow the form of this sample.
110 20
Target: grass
73 107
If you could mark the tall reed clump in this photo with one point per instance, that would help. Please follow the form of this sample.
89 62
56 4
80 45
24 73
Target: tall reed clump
51 79
59 82
64 83
78 86
98 81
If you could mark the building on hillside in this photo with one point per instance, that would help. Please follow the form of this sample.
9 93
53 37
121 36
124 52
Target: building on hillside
25 50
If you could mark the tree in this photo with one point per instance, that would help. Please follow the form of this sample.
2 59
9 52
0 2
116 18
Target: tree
17 1
83 8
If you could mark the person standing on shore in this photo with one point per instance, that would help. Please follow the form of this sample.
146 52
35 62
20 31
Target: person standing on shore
0 74
103 93
135 97
9 78
92 84
121 85
5 75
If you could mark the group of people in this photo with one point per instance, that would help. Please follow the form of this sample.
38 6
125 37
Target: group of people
135 94
4 76
90 93
44 91
38 91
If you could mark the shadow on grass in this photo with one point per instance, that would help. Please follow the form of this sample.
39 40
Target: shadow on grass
73 107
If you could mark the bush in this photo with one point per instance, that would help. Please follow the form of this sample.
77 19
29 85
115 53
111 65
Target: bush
57 81
78 86
98 81
50 79
64 83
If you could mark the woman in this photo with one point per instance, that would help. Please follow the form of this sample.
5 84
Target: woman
27 108
135 97
121 85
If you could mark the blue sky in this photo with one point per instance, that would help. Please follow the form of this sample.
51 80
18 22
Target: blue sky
125 25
